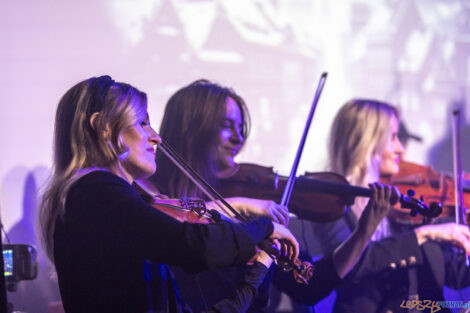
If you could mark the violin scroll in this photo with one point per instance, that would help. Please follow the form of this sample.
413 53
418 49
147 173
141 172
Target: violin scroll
418 207
302 270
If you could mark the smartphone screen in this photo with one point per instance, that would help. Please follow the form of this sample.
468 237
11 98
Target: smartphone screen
8 261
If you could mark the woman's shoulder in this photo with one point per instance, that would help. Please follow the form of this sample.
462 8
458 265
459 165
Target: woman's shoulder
101 183
99 176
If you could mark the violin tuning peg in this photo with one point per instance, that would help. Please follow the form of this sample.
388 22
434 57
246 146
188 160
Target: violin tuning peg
421 198
276 181
411 193
436 209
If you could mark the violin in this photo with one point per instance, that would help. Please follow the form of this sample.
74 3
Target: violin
191 210
430 185
318 197
194 210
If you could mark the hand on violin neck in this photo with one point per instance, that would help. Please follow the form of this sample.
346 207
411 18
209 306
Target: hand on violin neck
449 233
347 254
251 208
382 199
281 243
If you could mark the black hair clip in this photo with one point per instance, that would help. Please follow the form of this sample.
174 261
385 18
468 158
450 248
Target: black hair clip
99 87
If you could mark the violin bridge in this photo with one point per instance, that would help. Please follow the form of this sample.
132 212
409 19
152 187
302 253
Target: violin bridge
196 205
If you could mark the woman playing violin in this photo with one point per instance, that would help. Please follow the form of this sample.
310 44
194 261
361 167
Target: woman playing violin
101 235
363 146
207 124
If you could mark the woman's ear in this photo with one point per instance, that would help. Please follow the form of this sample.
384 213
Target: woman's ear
377 157
93 121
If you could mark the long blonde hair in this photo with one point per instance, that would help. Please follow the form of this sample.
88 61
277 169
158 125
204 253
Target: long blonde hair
358 137
80 146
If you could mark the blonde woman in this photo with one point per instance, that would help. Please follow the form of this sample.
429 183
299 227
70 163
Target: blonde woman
363 146
99 233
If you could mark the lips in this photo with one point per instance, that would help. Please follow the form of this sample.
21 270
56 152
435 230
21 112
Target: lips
231 150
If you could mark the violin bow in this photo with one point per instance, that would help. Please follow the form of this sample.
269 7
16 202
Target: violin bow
205 187
3 286
291 180
457 160
213 194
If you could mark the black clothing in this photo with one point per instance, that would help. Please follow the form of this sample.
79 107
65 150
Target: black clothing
107 233
212 286
323 238
393 270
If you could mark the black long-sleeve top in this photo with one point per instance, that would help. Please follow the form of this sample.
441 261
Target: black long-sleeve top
211 286
107 233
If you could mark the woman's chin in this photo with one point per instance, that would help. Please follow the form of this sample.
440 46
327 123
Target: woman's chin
389 170
227 170
144 173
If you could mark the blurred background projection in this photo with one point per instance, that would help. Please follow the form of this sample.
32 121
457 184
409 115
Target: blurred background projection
413 53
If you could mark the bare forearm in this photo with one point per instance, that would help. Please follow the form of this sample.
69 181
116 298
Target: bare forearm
249 208
346 255
220 207
450 233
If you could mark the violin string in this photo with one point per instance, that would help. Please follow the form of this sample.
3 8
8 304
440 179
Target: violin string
199 181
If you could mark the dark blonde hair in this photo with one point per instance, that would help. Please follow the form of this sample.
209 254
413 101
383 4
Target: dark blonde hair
80 147
358 136
191 125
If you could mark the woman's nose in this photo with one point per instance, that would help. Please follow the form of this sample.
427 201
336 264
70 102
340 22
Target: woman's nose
155 137
237 136
399 148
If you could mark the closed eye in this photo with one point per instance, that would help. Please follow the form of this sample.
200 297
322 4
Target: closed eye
145 122
227 123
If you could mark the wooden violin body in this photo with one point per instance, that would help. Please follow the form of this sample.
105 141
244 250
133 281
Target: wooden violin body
433 186
180 210
183 210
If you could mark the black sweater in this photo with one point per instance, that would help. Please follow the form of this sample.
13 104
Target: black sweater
107 233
